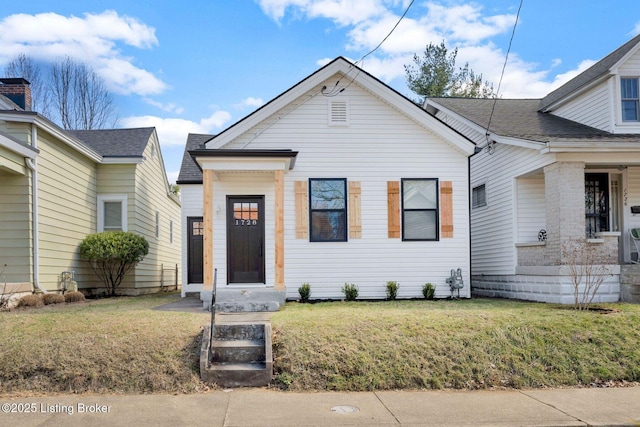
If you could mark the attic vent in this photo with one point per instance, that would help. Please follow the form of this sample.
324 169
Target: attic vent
338 113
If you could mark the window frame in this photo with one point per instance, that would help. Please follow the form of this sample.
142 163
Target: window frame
636 99
106 198
345 236
474 203
436 210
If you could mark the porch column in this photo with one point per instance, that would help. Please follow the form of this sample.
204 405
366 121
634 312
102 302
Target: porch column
564 198
279 183
207 184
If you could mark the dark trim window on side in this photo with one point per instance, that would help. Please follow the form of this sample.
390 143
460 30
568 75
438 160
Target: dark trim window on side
328 209
479 196
630 99
420 209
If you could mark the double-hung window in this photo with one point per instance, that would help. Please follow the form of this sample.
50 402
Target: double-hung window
328 210
420 209
630 99
112 212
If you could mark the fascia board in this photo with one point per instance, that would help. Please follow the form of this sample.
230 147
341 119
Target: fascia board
17 147
54 130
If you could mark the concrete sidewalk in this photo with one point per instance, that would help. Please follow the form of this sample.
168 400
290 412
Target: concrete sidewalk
261 407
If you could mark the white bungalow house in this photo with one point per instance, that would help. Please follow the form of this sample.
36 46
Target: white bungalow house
340 179
551 170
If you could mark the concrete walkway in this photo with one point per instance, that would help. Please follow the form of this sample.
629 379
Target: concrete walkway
262 407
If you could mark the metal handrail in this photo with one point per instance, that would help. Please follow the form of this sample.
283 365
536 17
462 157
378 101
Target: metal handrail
213 308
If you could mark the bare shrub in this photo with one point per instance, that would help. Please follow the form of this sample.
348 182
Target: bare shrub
74 296
30 301
5 297
52 299
587 275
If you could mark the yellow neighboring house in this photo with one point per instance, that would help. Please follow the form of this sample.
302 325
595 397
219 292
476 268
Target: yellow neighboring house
58 186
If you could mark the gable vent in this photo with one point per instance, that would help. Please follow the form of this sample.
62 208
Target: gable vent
338 113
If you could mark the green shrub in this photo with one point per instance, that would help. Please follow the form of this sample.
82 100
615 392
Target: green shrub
428 291
112 254
52 299
74 296
305 292
30 301
350 291
392 290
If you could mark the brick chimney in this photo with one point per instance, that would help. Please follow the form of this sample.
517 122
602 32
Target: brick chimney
17 90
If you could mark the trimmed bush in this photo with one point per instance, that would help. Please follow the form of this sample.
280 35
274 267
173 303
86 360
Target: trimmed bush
112 254
30 301
350 291
305 292
52 299
428 291
74 296
392 290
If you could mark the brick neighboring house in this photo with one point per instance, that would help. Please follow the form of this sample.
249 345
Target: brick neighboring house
563 167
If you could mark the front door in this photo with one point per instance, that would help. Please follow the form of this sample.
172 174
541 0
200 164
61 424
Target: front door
245 239
195 246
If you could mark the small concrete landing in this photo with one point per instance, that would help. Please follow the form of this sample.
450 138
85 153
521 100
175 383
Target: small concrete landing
249 299
239 355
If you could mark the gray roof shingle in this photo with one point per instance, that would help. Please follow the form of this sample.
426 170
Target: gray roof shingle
190 173
116 142
520 118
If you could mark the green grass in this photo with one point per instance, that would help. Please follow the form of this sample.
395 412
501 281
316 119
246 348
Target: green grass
122 345
117 345
468 344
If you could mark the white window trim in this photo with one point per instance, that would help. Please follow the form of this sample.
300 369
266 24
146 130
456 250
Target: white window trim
102 198
620 125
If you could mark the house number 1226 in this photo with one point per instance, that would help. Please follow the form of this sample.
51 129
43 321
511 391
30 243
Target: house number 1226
246 222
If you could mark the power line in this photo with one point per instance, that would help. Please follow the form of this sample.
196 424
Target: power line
334 91
495 98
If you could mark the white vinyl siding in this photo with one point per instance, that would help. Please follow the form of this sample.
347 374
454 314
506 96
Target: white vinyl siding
380 144
591 108
493 229
531 208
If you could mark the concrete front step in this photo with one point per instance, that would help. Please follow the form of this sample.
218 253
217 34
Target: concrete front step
240 355
237 351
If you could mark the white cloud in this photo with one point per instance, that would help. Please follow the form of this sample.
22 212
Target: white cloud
173 131
94 39
169 107
465 25
250 102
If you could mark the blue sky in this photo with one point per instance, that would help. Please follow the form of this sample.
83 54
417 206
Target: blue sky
201 65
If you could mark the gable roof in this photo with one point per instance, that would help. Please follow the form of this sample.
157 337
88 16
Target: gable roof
190 173
518 118
355 74
116 142
590 75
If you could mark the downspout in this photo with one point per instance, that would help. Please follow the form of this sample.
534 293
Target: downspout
33 166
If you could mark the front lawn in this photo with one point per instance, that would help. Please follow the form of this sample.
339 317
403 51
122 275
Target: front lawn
466 344
122 345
